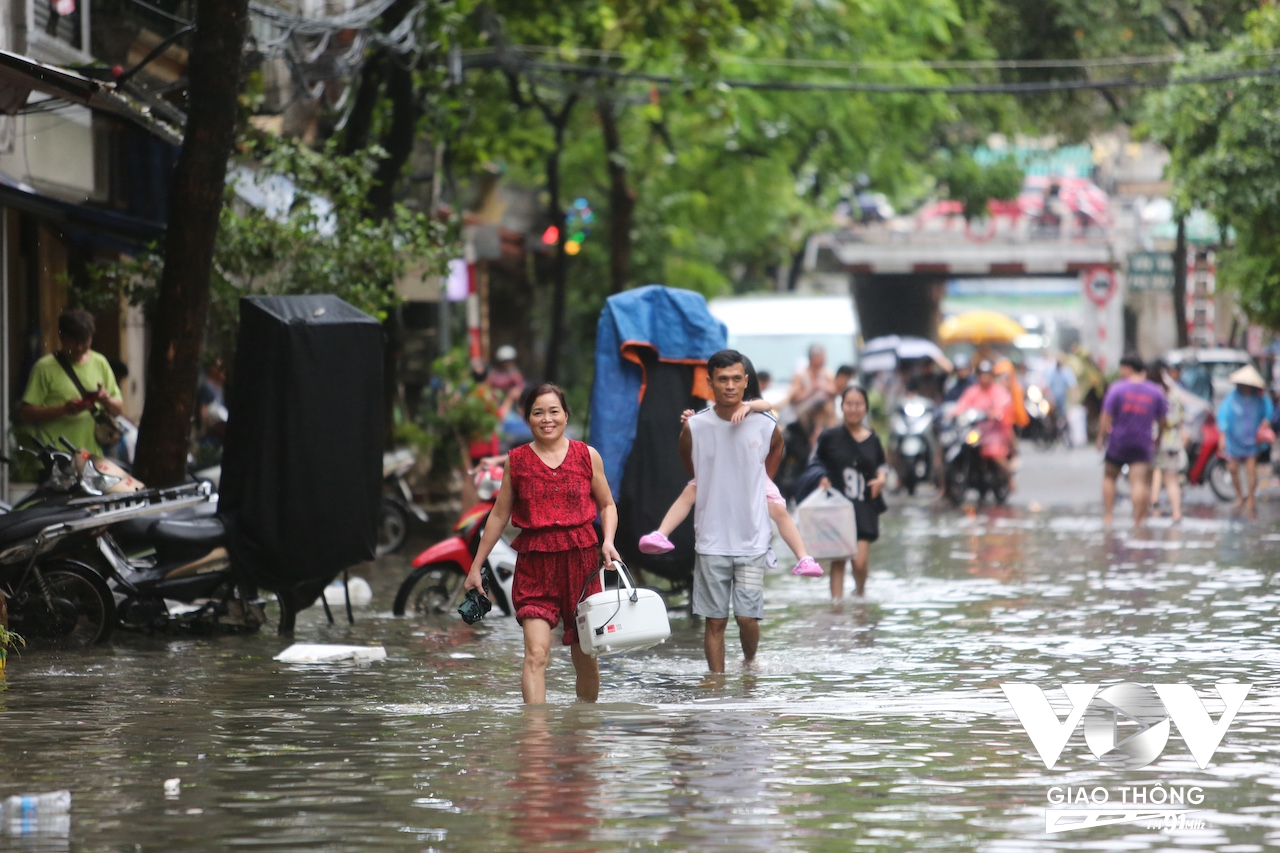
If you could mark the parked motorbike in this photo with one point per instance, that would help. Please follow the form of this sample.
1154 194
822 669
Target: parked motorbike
435 584
964 466
171 573
397 502
184 580
911 438
55 591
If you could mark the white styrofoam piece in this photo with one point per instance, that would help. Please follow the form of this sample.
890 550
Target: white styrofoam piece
323 653
361 592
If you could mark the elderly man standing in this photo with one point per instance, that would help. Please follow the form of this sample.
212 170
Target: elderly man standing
813 384
731 462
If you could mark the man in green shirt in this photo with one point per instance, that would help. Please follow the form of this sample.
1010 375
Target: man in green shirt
53 404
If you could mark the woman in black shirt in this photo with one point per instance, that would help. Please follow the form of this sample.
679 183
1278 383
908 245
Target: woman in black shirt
854 461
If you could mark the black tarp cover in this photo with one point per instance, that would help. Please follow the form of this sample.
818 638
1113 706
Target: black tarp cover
654 476
302 466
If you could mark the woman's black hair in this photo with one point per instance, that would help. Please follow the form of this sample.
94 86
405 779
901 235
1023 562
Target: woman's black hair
753 382
531 396
1155 371
863 391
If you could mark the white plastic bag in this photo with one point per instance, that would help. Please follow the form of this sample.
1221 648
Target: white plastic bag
827 525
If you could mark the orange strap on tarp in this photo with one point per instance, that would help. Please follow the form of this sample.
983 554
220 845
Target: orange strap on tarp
701 382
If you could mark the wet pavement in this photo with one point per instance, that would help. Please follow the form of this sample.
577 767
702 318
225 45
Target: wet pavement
874 725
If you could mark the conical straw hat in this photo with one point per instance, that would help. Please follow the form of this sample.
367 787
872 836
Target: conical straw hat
1248 375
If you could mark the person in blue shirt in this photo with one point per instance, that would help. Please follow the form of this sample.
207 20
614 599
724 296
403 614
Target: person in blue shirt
1245 409
1060 380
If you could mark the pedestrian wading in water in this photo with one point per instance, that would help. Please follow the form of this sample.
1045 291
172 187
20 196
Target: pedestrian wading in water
731 529
657 541
552 489
854 463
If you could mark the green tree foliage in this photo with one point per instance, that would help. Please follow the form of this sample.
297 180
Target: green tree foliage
974 185
1225 147
1088 40
457 410
725 182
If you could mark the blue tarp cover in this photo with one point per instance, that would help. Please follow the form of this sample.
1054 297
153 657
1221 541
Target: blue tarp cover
677 325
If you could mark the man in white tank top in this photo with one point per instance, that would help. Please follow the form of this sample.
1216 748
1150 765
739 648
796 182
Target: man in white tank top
731 528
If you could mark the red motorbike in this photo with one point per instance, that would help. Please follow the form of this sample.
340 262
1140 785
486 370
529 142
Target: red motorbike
435 584
1206 463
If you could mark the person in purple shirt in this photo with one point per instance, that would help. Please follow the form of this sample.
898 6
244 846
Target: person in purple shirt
1130 412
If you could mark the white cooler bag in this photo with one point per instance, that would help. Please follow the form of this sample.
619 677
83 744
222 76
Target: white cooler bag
622 619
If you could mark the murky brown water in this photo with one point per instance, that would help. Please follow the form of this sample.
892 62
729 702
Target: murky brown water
870 726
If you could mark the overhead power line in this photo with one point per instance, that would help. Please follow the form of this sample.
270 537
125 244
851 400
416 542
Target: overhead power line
854 86
854 66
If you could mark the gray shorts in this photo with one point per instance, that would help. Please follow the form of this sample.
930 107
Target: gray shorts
717 579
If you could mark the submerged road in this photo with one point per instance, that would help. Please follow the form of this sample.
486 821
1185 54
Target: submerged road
879 724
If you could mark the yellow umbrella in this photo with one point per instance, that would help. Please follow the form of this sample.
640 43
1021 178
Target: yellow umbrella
979 327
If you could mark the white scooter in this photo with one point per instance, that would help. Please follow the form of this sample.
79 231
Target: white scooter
397 501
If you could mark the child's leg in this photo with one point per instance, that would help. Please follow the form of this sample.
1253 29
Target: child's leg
679 510
787 529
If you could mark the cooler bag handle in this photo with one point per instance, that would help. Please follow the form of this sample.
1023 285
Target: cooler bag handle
624 580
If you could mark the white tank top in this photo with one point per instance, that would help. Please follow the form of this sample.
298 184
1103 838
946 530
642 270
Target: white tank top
730 516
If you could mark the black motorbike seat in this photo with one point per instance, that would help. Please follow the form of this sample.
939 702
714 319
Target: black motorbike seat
28 522
139 529
197 531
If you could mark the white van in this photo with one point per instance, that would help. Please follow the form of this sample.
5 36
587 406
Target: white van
776 330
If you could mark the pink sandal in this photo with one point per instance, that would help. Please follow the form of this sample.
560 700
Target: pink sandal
655 543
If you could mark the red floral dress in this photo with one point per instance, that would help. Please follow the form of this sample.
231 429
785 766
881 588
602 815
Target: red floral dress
557 545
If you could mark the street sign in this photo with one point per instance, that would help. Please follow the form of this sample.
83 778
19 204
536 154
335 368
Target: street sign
1099 284
1150 271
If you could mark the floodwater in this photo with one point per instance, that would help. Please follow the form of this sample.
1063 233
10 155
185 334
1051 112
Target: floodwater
877 725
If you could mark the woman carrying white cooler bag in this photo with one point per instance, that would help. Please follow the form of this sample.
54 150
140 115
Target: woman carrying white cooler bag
552 490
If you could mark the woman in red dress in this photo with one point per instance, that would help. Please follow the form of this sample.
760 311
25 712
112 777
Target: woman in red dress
552 489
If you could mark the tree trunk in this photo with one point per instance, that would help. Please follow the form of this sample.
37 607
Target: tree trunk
1180 283
378 67
398 143
555 213
398 138
559 261
178 327
622 202
383 70
359 126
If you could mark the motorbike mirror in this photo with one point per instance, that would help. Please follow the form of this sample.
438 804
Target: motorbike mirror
96 482
68 445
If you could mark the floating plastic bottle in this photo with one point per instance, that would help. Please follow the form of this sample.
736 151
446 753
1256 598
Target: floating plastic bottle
31 814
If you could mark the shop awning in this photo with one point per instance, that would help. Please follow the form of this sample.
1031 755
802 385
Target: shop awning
129 229
21 75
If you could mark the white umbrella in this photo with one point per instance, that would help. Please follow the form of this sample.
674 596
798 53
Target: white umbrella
884 353
879 354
